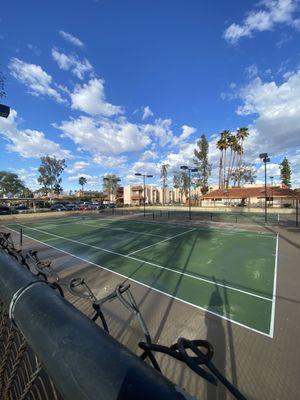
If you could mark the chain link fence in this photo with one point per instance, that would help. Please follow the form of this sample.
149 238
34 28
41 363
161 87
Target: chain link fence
21 373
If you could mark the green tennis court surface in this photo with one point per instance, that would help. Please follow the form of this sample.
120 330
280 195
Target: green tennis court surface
229 273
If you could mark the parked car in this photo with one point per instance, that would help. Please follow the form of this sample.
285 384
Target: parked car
84 207
5 210
58 207
72 207
22 209
102 206
111 205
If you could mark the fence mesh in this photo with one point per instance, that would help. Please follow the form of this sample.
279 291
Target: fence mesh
22 377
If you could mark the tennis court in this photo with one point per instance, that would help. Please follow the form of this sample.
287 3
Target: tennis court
230 273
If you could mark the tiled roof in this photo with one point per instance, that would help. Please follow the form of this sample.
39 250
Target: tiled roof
136 196
136 188
239 193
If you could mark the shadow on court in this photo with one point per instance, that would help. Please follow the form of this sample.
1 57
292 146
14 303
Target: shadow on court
222 340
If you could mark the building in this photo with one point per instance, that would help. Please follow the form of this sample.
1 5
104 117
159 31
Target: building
251 196
134 195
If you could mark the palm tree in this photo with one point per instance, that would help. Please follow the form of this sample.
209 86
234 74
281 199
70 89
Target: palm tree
222 145
241 135
82 181
234 145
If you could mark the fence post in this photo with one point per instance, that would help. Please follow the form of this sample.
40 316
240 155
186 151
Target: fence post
297 212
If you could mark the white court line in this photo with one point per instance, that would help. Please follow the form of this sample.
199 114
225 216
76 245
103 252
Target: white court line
274 291
226 231
144 284
161 241
118 229
150 263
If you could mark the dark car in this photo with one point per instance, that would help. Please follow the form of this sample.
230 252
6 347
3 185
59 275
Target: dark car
72 207
22 209
4 210
58 207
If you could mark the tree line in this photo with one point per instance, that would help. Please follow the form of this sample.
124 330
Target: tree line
232 171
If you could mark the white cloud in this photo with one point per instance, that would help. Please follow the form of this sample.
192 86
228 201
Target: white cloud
90 98
105 137
28 176
35 78
161 129
274 12
277 107
71 39
29 143
109 161
76 177
70 62
149 155
251 71
92 180
147 113
78 166
187 131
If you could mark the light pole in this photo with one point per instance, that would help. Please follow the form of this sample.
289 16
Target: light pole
265 159
185 167
144 181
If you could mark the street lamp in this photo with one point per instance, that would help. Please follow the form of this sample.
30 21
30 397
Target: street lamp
144 180
265 159
185 167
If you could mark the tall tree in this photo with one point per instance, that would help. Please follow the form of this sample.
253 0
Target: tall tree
110 184
11 185
82 181
50 171
222 146
164 178
241 136
184 183
285 172
202 164
177 183
245 173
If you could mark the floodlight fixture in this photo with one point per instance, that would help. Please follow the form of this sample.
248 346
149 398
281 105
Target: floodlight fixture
184 167
4 111
137 174
263 155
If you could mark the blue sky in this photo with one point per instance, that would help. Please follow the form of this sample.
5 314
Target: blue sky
120 86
